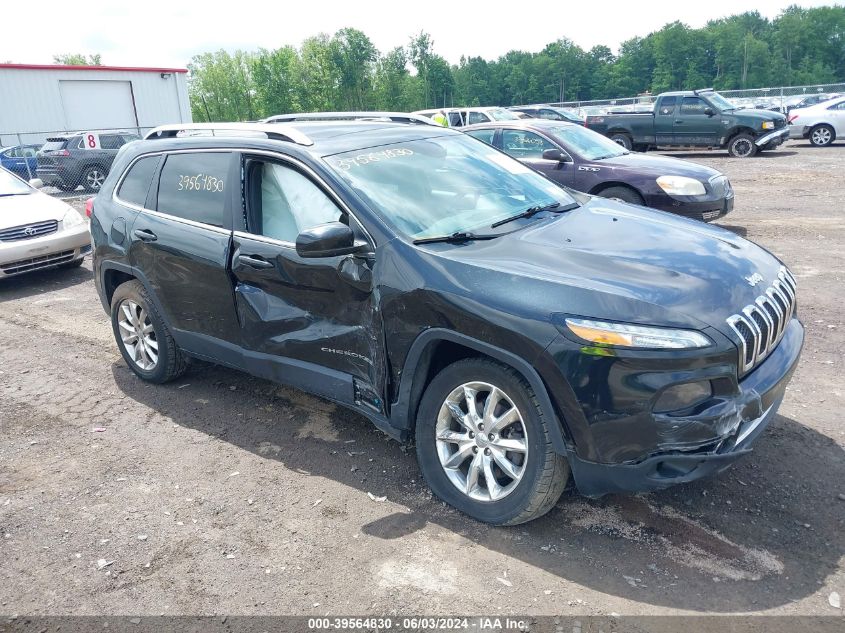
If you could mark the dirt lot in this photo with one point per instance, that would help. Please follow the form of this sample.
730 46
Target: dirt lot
221 493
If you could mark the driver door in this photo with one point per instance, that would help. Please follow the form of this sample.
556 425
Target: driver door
694 127
303 320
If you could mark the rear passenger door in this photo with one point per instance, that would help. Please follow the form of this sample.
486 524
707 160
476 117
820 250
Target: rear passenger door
304 321
180 242
664 121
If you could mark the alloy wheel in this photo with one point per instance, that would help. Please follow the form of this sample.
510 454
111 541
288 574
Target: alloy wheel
821 136
137 335
743 147
481 441
95 179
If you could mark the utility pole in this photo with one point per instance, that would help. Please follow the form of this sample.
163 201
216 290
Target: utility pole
562 88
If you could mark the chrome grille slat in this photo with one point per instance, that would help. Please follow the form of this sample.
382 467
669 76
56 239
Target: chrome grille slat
28 231
762 324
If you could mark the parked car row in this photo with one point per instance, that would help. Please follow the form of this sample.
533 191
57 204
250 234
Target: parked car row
67 162
821 123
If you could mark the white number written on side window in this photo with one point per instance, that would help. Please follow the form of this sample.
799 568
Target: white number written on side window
200 182
372 157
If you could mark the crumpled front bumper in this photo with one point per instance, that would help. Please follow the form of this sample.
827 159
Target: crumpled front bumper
773 139
756 405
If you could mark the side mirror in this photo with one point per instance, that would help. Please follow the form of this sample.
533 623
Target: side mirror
556 154
709 111
328 240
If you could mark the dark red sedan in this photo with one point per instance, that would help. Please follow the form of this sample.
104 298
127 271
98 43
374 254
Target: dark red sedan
587 161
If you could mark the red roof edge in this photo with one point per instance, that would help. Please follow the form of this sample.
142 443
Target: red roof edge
64 67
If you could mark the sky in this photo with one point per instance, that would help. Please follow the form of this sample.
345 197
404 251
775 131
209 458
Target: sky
169 33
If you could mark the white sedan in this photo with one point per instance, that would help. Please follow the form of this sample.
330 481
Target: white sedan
36 230
821 123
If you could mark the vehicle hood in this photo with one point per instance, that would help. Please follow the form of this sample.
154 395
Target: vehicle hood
35 207
759 115
650 164
610 260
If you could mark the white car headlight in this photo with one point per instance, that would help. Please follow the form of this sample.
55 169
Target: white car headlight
681 186
72 218
628 335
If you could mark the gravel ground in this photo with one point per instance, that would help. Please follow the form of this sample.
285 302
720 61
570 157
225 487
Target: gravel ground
221 493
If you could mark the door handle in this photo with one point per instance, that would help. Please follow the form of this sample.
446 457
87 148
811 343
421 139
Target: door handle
679 120
145 235
255 261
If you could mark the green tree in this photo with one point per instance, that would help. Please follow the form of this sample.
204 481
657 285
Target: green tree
76 59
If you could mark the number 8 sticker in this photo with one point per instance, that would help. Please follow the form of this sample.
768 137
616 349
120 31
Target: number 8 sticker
91 140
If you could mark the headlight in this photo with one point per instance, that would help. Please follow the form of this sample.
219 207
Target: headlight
72 218
768 125
628 335
681 186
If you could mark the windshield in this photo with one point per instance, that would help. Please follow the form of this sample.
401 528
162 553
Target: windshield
11 185
444 185
719 101
586 143
500 114
567 115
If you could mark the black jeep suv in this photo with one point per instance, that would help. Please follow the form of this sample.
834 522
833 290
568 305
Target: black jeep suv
519 331
65 161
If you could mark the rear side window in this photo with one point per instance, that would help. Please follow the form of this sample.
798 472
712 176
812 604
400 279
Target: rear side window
111 141
667 105
478 117
136 183
194 187
54 144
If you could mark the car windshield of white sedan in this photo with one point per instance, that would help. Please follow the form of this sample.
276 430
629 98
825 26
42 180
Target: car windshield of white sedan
11 185
444 185
586 143
500 114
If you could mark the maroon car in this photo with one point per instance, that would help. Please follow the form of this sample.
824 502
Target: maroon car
587 161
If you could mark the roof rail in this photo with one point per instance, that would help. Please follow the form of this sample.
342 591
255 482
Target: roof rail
392 117
275 132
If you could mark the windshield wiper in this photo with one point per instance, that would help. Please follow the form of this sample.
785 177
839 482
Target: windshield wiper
527 213
460 236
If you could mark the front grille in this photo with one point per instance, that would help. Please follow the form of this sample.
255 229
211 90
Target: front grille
34 263
28 231
761 325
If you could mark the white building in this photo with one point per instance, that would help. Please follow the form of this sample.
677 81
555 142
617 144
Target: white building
40 101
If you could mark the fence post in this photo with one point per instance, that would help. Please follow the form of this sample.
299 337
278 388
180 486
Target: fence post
25 158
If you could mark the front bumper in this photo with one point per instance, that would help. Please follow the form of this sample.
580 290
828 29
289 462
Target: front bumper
772 139
61 247
751 409
711 206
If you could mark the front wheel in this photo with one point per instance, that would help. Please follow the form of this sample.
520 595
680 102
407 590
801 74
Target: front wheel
822 135
623 194
483 444
742 146
142 336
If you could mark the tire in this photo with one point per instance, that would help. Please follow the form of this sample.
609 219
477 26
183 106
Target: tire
169 362
623 194
622 139
822 135
538 475
742 146
93 178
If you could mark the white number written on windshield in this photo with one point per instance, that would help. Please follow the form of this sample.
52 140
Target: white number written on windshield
372 157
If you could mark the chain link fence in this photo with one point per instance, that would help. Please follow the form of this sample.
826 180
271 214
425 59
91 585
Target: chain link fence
780 99
65 160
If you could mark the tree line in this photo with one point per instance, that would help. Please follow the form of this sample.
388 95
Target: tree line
345 71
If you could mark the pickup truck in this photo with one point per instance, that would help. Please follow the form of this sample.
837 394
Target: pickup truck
697 118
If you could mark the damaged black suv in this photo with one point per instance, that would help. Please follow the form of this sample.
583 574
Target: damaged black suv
520 332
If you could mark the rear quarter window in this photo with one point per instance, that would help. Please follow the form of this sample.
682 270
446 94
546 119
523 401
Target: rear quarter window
136 182
194 186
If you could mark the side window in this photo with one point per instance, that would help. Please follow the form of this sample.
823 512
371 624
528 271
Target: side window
28 152
838 106
136 183
455 119
693 105
667 105
111 141
193 186
520 144
283 202
14 152
551 115
478 117
483 135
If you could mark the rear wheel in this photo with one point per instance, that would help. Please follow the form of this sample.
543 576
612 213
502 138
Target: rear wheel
622 139
93 178
144 340
822 135
742 146
483 444
623 194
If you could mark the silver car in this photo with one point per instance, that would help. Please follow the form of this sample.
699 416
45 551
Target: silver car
36 230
